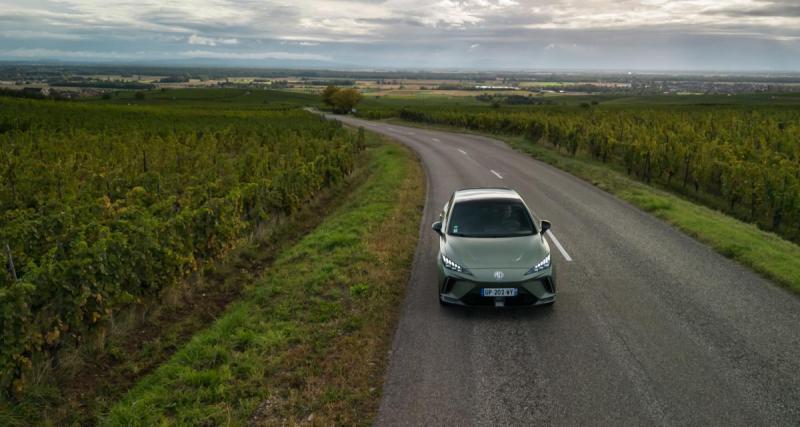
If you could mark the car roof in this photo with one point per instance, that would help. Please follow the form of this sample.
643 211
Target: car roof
485 193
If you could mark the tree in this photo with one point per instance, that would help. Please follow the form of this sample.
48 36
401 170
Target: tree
345 99
327 95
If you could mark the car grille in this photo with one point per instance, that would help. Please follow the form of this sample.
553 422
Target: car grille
523 296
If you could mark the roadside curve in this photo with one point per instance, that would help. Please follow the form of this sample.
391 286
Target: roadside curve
650 326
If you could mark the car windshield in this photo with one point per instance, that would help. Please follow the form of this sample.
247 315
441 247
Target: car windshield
490 218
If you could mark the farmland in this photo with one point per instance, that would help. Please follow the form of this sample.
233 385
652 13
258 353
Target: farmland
110 203
399 213
90 81
105 207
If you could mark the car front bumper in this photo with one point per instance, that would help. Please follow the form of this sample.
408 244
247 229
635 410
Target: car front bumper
462 289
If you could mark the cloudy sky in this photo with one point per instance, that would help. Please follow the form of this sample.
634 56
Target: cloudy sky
724 35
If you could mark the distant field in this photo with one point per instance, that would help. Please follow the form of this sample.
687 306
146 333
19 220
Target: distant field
413 98
466 98
215 98
690 99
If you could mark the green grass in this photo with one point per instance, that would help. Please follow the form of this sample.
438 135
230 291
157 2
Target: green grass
308 340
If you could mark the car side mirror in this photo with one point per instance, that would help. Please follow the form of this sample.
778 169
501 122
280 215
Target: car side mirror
437 227
546 226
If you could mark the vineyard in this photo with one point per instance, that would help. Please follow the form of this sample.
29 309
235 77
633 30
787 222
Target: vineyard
742 159
104 206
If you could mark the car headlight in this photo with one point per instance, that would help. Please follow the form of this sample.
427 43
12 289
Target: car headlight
541 265
452 265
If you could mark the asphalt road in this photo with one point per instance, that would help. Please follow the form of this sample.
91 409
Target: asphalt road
650 327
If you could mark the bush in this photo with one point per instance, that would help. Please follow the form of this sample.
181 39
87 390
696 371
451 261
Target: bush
341 100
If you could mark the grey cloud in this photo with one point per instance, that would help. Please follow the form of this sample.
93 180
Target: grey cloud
391 21
414 33
771 9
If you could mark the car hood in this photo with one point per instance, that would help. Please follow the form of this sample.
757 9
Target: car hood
496 252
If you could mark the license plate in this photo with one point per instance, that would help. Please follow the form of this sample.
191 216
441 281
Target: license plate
499 292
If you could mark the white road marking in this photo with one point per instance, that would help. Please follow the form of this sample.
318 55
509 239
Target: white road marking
462 151
558 245
436 140
497 174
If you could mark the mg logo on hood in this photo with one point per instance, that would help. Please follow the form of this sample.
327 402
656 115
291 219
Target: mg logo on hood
498 275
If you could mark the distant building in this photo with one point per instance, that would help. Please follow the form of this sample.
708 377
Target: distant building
496 87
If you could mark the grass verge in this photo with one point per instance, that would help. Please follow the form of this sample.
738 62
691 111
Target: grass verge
764 252
308 341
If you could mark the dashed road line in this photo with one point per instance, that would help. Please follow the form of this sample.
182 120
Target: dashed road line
558 245
497 174
436 140
462 151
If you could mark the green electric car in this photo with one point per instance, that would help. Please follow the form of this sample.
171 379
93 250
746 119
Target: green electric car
492 251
